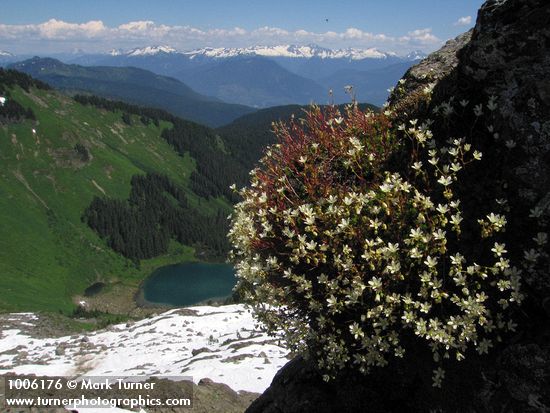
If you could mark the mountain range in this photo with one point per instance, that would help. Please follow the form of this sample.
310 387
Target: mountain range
257 76
262 76
133 85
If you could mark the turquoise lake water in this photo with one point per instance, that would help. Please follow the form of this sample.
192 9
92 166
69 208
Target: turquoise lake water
189 284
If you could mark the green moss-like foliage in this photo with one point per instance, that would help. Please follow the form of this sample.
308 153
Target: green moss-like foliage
349 241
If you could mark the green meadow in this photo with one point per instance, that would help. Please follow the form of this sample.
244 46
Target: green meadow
47 254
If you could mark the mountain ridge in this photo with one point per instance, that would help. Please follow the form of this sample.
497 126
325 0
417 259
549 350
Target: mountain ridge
136 86
282 50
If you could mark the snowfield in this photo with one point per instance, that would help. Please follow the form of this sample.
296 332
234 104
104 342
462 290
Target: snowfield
219 343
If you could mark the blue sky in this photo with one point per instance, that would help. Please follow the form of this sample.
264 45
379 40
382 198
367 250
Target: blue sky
64 25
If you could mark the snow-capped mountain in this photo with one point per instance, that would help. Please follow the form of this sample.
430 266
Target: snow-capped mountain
280 51
415 55
291 51
262 76
3 53
143 51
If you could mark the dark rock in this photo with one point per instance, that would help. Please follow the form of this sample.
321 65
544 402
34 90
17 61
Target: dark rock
60 350
506 55
211 397
509 57
409 97
196 351
546 306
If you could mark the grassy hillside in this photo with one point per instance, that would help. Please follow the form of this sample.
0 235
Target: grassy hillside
47 254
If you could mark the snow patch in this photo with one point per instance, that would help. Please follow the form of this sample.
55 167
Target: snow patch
220 343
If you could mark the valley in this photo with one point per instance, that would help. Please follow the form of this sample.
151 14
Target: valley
52 168
104 193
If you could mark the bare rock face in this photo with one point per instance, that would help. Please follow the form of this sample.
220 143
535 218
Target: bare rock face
509 57
409 97
506 55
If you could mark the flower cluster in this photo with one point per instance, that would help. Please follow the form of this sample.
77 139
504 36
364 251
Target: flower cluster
348 240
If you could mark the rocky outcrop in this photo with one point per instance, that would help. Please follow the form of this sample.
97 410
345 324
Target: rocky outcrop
408 97
507 56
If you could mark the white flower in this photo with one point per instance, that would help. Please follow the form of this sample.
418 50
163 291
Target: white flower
455 167
499 249
430 262
498 221
417 165
408 317
263 198
332 301
456 219
415 233
439 234
442 209
393 248
453 151
343 223
375 283
393 267
356 331
386 187
445 180
455 204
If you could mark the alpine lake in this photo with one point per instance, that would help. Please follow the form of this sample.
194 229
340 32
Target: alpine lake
188 284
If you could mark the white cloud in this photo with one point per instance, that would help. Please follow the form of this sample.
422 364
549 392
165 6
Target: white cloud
463 21
55 29
56 36
420 39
